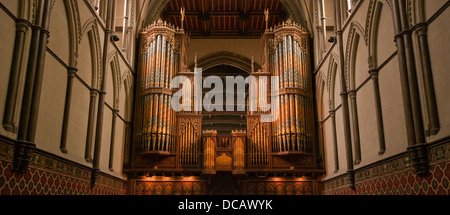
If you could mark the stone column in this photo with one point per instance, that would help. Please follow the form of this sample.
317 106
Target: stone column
378 109
33 85
355 124
101 100
344 93
335 143
430 95
90 128
413 112
113 137
22 27
65 127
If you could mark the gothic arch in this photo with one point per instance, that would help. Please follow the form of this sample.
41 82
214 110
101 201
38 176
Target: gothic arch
331 79
127 80
90 29
372 27
225 58
73 19
354 35
320 85
116 78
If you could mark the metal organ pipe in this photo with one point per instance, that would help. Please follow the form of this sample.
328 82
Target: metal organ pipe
293 131
156 121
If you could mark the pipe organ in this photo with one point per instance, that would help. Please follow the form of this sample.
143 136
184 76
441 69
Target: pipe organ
173 143
159 60
290 61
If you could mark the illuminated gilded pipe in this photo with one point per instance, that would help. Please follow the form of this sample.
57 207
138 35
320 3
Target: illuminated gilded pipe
155 121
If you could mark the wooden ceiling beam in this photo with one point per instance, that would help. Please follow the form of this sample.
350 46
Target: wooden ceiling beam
221 13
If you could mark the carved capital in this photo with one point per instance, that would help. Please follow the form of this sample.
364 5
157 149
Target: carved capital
374 73
352 94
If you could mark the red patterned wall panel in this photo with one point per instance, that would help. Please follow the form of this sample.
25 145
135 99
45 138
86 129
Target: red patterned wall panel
49 176
396 177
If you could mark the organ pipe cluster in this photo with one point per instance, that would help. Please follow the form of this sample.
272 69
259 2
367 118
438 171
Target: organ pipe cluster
258 139
158 64
238 139
189 153
209 150
289 59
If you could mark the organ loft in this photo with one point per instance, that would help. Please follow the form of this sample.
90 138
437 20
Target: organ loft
172 150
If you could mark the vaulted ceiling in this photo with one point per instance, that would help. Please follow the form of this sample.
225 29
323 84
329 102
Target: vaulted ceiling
224 17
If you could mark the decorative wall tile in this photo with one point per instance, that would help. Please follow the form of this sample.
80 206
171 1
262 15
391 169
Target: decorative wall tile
48 176
397 178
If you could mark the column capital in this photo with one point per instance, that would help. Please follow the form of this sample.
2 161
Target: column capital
23 25
374 73
72 71
352 93
94 92
421 29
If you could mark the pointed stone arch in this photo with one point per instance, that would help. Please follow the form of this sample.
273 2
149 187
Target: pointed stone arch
331 79
117 85
91 29
73 19
320 89
354 35
372 27
128 83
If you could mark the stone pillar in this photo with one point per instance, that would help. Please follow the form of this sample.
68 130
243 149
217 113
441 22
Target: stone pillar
65 127
33 85
355 124
378 109
90 127
113 137
22 27
335 144
101 100
344 93
430 95
411 100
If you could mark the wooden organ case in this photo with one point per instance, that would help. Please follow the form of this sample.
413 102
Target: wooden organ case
170 149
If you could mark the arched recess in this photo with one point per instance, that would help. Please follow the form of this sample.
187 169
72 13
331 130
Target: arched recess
116 88
354 35
128 84
331 85
65 31
225 58
127 80
371 33
350 72
73 19
321 116
91 30
320 88
116 78
331 81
